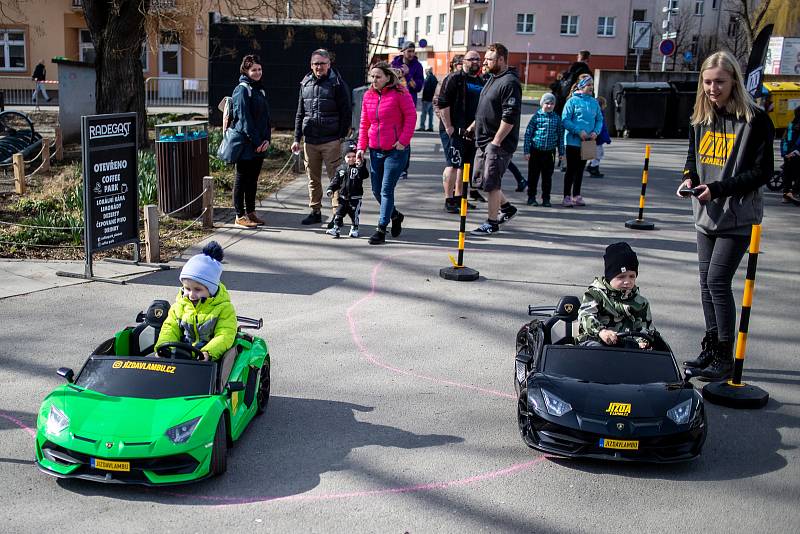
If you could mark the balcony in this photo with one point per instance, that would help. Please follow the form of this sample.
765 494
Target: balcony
464 3
458 37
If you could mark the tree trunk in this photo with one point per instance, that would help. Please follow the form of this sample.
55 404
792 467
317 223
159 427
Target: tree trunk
118 30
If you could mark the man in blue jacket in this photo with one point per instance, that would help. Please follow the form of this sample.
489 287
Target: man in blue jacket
323 119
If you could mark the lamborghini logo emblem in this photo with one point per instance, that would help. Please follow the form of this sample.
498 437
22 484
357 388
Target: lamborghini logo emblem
109 444
619 408
620 426
158 313
569 307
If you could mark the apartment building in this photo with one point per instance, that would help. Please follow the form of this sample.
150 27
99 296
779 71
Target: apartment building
36 30
542 36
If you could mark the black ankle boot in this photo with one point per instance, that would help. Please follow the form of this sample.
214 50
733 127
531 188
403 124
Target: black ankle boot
708 345
379 237
397 222
722 364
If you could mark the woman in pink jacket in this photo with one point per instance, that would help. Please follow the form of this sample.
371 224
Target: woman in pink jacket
388 117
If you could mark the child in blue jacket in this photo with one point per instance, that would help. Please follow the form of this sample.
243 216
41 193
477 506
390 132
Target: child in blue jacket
543 136
583 121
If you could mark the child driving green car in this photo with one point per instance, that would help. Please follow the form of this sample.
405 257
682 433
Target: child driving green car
202 314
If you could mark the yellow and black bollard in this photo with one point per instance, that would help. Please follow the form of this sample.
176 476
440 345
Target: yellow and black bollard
639 223
734 393
457 271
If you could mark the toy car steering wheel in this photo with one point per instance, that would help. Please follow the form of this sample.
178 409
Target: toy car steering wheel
179 351
644 335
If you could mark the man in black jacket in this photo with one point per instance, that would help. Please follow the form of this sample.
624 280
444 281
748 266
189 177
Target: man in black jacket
323 119
496 130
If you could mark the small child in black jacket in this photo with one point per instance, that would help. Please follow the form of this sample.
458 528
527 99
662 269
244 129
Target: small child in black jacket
348 181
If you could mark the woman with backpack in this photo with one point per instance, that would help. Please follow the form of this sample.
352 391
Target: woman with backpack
251 116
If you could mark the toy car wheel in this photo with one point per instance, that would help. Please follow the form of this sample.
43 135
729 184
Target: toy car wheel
523 419
219 454
263 389
775 182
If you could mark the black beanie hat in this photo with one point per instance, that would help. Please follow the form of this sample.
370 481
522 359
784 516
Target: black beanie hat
620 258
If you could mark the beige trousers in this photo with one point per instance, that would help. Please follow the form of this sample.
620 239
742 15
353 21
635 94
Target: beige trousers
331 154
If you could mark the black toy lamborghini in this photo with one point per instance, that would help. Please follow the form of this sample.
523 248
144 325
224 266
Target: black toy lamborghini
618 403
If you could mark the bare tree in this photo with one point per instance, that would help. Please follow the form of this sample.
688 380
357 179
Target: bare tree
119 27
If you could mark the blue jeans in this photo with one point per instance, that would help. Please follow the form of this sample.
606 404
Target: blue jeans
427 113
385 167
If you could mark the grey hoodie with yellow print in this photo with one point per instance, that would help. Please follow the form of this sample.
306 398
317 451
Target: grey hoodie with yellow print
734 159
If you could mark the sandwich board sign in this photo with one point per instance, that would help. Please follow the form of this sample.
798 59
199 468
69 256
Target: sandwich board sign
110 185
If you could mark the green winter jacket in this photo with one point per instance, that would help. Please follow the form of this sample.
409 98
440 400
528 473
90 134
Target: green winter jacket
210 326
604 307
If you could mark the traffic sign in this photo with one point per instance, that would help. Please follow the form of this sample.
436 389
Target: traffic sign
669 35
642 35
667 47
423 43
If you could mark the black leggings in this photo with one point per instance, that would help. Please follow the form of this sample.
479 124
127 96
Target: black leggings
573 178
718 258
245 184
791 175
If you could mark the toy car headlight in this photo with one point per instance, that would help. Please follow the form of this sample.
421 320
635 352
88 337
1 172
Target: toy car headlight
680 413
56 421
182 432
554 405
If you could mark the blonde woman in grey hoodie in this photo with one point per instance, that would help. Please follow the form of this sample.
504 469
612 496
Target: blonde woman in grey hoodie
730 158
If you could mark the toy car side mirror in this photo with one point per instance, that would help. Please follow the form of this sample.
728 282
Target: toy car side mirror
687 374
235 386
140 317
66 373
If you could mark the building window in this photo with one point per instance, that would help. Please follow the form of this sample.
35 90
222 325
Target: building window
405 4
12 50
569 24
417 3
428 24
733 26
526 22
416 28
442 18
144 58
85 47
699 7
377 29
405 29
394 29
606 26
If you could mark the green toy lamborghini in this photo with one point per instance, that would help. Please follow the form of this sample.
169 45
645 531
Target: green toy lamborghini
129 417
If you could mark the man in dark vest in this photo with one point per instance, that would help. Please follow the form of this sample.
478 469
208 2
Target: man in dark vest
323 121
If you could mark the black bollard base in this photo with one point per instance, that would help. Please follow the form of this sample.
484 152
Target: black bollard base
639 224
743 396
459 274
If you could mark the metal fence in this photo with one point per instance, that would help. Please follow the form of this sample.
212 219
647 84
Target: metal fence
175 92
18 91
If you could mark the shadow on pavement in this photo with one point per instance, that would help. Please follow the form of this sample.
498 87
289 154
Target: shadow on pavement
282 454
258 282
740 444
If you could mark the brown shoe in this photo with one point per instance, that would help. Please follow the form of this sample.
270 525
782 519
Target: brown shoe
244 222
256 219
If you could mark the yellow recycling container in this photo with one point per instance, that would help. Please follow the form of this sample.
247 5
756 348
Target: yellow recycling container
782 98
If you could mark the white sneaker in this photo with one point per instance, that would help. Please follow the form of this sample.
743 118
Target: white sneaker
333 231
353 231
578 200
567 203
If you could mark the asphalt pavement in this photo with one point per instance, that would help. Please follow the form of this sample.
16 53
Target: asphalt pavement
393 405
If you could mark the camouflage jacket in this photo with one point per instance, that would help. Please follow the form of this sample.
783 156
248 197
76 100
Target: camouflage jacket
605 307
